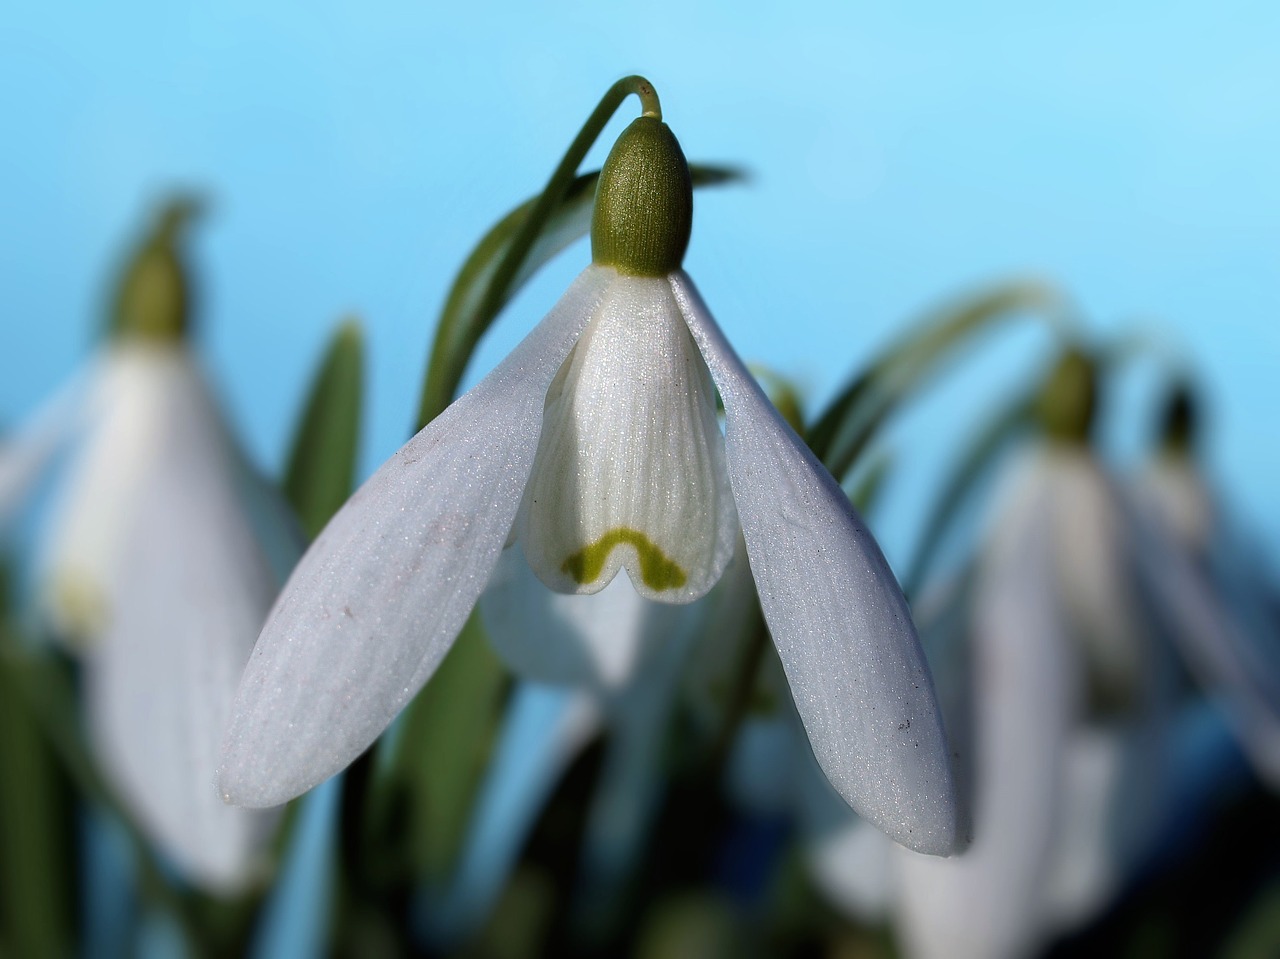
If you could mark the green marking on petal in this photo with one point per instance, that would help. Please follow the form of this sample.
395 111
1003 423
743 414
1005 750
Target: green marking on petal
657 570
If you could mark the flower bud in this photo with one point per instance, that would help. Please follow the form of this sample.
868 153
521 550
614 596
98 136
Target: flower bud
152 300
644 203
1069 398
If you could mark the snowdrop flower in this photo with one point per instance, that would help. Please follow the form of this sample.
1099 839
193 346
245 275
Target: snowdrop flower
595 445
1059 737
1200 572
153 573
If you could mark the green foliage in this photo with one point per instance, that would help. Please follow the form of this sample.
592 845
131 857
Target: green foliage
322 461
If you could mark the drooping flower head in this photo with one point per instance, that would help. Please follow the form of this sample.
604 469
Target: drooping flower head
1060 703
151 570
1209 579
596 445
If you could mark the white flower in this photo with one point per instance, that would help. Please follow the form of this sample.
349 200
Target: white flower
152 572
1060 735
1219 620
153 569
595 445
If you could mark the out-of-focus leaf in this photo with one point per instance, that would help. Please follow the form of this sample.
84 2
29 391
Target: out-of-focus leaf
45 690
474 302
433 763
693 925
866 492
982 453
1258 933
848 425
35 887
322 460
522 918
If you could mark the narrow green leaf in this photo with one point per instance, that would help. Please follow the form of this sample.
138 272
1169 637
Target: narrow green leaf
855 416
474 301
865 494
970 469
35 885
45 690
322 461
442 743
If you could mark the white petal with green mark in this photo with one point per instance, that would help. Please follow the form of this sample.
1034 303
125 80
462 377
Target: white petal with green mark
630 469
599 640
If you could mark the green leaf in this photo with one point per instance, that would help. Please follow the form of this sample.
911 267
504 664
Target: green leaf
35 877
854 417
474 301
866 491
439 749
1011 422
322 461
44 688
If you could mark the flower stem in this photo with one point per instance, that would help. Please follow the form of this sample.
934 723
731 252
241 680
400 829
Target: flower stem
446 365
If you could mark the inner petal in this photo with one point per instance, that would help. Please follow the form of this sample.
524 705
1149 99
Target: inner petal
630 466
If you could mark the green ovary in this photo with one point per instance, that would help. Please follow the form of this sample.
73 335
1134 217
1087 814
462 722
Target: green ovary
656 569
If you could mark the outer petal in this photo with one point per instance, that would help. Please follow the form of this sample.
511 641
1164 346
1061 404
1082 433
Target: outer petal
987 904
25 454
376 602
630 468
1224 647
1178 496
129 393
836 614
186 599
1094 565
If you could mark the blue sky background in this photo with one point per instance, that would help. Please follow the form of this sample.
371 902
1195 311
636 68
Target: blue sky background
900 154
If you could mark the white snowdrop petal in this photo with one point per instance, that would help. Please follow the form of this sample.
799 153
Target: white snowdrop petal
591 640
1179 497
630 468
378 599
127 397
835 611
1094 567
26 452
1115 789
851 862
1213 637
187 599
988 903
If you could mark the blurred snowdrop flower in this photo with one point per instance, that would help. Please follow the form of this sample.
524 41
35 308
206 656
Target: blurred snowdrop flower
1206 578
152 572
596 446
1059 722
